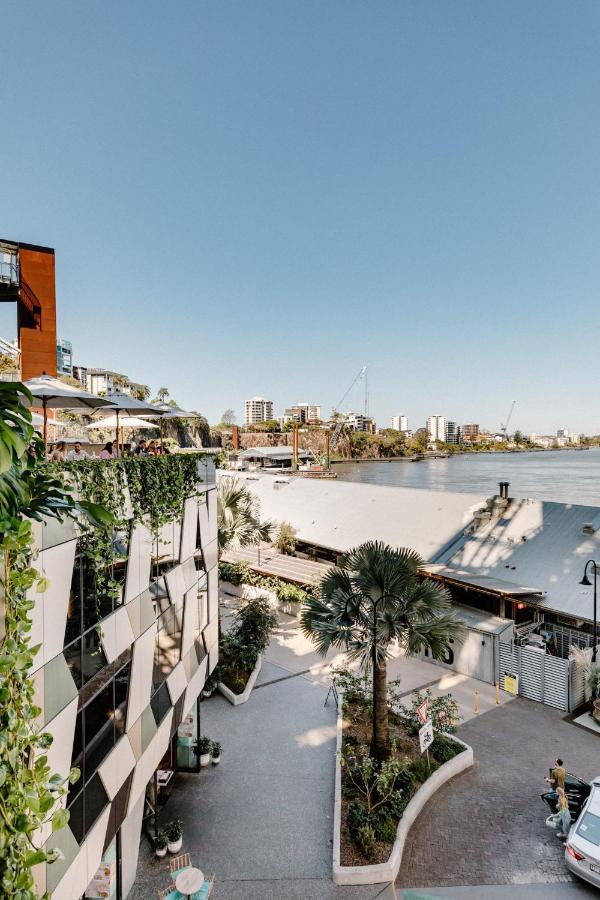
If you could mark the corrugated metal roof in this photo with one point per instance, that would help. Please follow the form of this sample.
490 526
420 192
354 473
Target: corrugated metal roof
482 621
342 514
539 543
272 453
493 585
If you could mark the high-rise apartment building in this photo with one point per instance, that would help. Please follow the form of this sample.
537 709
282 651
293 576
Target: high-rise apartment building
64 357
470 433
400 423
358 422
436 426
303 412
257 410
81 374
452 433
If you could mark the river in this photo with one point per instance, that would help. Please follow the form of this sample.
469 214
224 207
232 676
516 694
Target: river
563 475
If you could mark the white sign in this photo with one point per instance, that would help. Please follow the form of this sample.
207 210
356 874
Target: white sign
426 735
422 711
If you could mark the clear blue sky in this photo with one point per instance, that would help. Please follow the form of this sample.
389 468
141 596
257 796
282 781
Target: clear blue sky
260 197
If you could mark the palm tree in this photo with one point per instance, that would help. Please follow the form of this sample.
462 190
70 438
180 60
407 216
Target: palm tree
238 516
373 597
162 394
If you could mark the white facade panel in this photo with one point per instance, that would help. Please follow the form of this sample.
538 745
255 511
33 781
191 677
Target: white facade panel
140 684
117 766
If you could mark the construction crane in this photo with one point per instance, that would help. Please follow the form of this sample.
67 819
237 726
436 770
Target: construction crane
504 428
337 431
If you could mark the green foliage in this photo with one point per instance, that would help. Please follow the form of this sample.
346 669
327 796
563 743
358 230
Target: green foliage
174 830
204 745
357 688
285 541
445 706
216 749
421 769
366 840
239 573
238 516
443 750
241 646
161 840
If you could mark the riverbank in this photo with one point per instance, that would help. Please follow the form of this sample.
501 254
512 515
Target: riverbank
466 451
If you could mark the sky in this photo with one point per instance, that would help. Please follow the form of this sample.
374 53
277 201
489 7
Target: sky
262 197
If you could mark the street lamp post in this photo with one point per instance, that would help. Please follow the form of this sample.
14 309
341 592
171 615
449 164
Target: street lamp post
586 581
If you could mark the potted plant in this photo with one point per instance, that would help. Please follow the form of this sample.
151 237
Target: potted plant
204 749
210 686
160 843
216 753
174 833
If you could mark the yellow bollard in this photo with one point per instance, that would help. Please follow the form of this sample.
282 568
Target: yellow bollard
476 702
497 693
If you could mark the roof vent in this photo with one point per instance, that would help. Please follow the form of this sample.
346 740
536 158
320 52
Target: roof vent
593 526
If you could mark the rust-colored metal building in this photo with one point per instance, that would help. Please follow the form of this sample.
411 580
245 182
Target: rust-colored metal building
27 278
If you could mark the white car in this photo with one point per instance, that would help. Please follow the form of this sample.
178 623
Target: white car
582 849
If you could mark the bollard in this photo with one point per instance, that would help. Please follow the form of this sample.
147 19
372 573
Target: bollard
475 702
497 693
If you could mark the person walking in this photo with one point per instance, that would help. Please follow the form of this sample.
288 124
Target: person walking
564 815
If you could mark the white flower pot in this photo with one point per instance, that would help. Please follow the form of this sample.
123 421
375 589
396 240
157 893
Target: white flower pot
207 694
160 852
175 846
204 760
216 760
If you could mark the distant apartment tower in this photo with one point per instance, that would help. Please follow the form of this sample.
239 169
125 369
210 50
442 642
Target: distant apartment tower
103 381
304 413
452 433
470 433
562 433
64 357
358 422
81 374
436 426
258 410
400 423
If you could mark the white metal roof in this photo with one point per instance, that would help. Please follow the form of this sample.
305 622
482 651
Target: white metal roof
272 453
484 582
539 544
342 514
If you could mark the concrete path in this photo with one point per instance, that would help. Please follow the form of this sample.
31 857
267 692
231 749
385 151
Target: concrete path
492 816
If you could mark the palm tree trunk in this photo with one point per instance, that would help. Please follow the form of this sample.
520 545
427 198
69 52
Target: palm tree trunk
380 741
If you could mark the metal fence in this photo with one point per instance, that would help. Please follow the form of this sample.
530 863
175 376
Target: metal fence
542 677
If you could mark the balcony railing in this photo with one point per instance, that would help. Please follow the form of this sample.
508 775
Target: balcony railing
9 267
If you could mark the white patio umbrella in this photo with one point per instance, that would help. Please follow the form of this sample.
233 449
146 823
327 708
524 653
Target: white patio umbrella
55 394
124 405
124 421
171 412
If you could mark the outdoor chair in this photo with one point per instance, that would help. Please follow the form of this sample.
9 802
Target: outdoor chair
179 864
206 889
170 893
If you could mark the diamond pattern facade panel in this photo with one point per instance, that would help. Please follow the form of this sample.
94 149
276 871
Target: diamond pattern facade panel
117 677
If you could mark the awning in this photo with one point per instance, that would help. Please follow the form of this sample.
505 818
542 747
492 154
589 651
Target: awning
482 582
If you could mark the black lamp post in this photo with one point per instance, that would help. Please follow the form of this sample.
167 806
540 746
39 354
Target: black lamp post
586 581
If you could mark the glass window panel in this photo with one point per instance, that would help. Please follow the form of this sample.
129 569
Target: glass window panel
72 654
74 613
95 800
104 882
148 727
77 757
75 808
92 654
99 728
160 703
168 643
121 693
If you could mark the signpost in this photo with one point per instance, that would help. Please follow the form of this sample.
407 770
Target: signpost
426 737
422 711
511 683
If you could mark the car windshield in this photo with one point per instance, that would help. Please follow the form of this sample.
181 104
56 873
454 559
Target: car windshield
589 828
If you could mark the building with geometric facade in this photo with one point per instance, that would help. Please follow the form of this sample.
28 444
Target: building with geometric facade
119 680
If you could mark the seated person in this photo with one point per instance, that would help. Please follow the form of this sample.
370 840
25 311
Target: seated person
77 453
107 451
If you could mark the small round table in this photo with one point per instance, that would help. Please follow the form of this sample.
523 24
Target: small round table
189 882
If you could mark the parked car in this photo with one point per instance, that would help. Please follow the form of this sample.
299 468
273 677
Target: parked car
582 849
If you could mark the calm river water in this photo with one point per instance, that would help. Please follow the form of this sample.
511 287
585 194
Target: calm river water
563 475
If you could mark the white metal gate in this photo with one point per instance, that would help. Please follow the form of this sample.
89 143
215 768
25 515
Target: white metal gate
543 678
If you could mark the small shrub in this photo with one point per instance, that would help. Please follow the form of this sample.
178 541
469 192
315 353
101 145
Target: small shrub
356 817
445 705
421 770
366 840
290 593
444 750
385 828
356 688
285 542
398 802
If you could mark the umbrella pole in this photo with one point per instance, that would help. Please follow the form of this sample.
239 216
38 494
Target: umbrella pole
45 408
117 432
161 434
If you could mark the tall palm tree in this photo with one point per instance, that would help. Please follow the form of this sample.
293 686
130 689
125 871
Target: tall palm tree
238 516
373 597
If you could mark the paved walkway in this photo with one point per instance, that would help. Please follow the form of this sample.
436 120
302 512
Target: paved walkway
291 568
262 819
492 816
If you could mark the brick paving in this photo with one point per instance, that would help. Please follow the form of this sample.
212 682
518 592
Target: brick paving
487 825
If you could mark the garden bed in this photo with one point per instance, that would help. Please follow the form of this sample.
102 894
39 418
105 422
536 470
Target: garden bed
241 649
238 699
377 859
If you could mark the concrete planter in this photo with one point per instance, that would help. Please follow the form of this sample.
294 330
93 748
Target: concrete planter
233 590
238 699
248 592
388 871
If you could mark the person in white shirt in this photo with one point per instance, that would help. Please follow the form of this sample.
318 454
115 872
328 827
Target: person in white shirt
77 453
